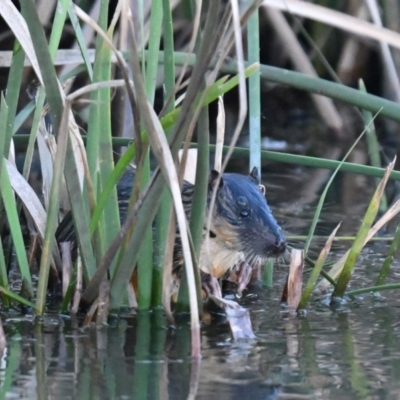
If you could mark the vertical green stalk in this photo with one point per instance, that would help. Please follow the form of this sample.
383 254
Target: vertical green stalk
12 93
268 273
157 351
15 227
56 32
142 347
253 49
40 362
384 272
199 203
3 264
3 128
99 140
162 219
4 277
11 99
372 142
12 366
145 262
56 108
362 233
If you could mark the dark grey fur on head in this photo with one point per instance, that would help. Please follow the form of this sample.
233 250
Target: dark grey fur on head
240 202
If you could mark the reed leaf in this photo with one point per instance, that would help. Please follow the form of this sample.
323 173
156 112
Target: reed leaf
361 236
4 276
323 195
10 205
316 162
145 261
163 215
55 100
384 272
22 116
16 23
253 56
161 150
99 145
14 353
338 266
3 127
373 289
268 273
81 40
312 280
12 92
372 142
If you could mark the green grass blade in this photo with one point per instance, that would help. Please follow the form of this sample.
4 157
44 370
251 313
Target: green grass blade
156 20
323 195
196 223
3 128
373 289
13 220
14 355
372 142
162 219
268 273
4 276
37 116
16 297
253 56
80 215
312 280
145 261
56 32
56 107
45 62
361 235
81 40
99 144
12 93
112 181
22 116
384 272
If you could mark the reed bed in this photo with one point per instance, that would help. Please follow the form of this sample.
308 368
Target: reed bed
132 56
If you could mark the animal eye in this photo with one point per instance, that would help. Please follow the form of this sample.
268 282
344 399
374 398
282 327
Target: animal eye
244 213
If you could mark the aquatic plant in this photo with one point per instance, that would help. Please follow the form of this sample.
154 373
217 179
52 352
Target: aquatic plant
121 72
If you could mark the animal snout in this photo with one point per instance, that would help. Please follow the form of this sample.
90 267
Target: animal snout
279 246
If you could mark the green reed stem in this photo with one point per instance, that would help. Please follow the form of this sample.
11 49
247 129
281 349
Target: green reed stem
372 142
4 277
12 93
373 289
358 244
162 219
253 56
145 261
56 108
268 273
384 272
323 195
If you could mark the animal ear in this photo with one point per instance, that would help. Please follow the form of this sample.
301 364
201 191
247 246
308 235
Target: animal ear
213 179
255 176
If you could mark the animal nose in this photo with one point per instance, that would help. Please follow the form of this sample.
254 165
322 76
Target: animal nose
279 246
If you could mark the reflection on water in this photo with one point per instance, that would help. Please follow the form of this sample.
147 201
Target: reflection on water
353 352
348 352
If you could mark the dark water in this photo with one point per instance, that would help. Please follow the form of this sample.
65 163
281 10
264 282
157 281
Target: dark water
351 351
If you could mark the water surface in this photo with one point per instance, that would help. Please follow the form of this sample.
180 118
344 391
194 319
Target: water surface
348 351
